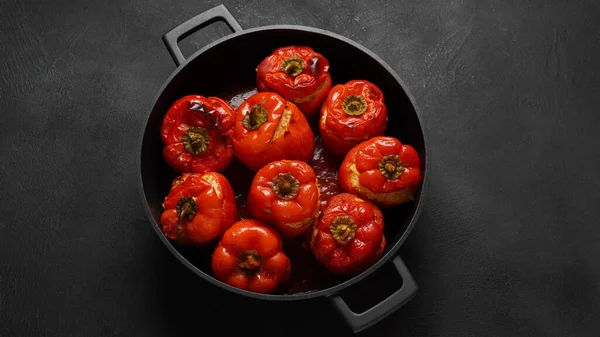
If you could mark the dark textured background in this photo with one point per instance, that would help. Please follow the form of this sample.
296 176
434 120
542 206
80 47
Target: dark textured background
509 242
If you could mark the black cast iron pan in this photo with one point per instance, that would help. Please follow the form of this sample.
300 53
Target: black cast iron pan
226 69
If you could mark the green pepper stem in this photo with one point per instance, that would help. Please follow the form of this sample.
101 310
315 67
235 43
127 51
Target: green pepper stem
391 166
195 140
285 186
257 117
292 66
186 208
343 229
249 262
354 105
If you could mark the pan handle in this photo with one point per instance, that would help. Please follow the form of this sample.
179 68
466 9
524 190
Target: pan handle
363 320
172 38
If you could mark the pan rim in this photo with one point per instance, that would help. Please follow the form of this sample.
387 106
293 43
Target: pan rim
330 291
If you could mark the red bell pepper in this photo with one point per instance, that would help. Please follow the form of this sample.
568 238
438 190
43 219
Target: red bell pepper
349 235
250 257
352 113
198 209
298 74
194 131
382 170
269 128
285 193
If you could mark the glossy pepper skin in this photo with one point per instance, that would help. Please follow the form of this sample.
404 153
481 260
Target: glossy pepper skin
269 128
250 257
352 113
194 132
382 170
298 74
285 194
349 235
198 209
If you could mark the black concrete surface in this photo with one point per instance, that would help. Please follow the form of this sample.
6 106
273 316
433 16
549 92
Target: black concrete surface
508 244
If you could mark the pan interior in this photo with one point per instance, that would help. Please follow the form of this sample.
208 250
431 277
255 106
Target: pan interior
227 70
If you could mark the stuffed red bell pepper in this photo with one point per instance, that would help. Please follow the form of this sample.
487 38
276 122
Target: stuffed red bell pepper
382 170
269 128
349 235
298 74
250 257
194 132
198 209
352 113
285 193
